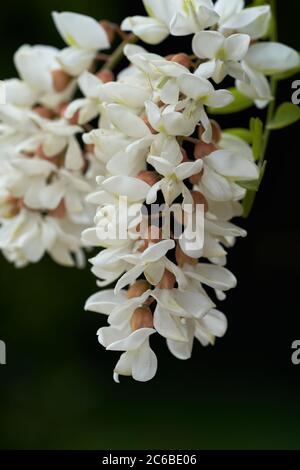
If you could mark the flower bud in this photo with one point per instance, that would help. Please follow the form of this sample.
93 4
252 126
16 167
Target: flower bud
185 158
203 150
137 289
182 59
195 179
141 318
74 119
60 80
182 258
60 210
199 198
149 177
168 281
216 132
106 76
44 112
152 235
89 148
110 29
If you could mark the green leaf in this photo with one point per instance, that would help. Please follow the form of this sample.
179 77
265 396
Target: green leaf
240 132
240 103
253 187
257 129
286 114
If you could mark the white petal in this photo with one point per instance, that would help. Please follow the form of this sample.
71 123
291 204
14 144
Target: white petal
195 87
126 122
227 8
104 301
134 189
169 326
133 341
206 44
154 272
216 277
129 277
157 251
253 21
272 57
150 30
236 46
219 99
232 165
81 31
215 322
185 170
144 365
73 158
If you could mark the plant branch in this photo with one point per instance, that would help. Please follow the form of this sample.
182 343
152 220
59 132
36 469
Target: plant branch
118 54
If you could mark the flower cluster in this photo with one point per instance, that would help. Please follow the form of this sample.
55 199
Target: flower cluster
149 139
45 172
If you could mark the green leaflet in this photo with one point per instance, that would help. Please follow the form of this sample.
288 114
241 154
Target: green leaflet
286 114
257 130
240 103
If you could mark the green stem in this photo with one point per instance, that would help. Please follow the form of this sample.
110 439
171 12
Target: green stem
118 54
274 85
251 195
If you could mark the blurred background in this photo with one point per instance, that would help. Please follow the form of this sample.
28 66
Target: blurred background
57 391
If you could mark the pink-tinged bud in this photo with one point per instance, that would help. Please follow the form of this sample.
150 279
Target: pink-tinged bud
141 318
182 258
110 29
195 179
146 121
185 158
149 177
74 119
40 152
138 289
199 198
153 235
216 131
203 150
89 148
44 112
60 80
182 59
60 210
106 76
168 281
55 159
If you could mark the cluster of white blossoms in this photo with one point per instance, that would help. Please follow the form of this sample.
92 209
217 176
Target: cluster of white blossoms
45 172
147 139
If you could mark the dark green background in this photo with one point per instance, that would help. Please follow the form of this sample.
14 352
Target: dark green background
57 392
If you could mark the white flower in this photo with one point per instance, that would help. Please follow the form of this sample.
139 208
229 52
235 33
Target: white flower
169 165
152 263
224 54
234 17
193 16
265 58
205 330
156 27
84 36
174 305
202 93
139 360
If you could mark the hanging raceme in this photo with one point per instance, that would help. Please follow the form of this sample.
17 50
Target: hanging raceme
102 163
